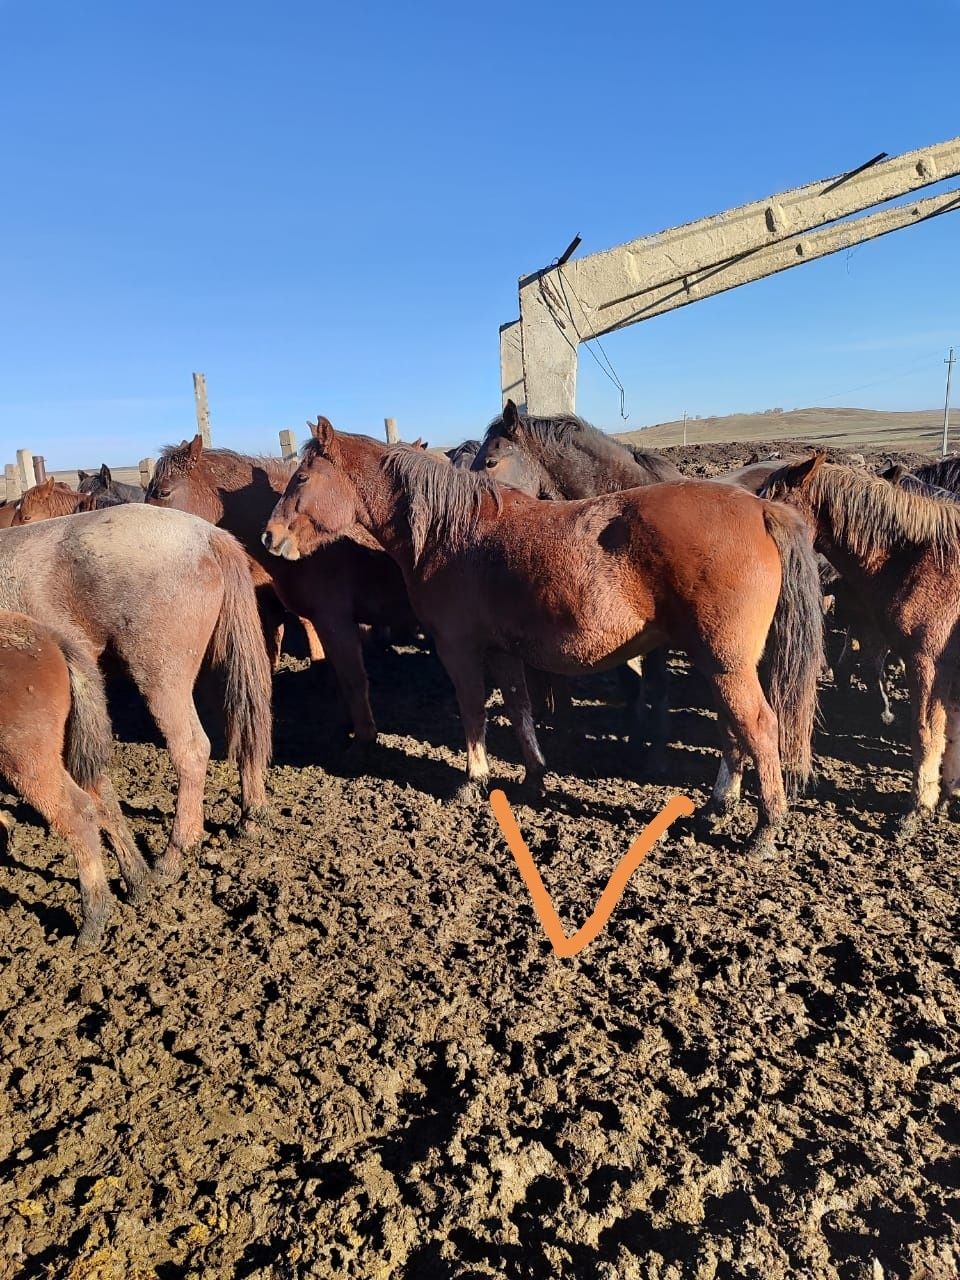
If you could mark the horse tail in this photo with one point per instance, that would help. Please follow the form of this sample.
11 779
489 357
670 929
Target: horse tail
794 655
89 734
237 648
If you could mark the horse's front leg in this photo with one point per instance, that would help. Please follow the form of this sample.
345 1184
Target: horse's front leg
464 666
510 675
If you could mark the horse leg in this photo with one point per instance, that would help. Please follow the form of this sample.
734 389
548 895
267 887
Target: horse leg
314 646
754 727
170 702
133 868
465 669
510 675
729 783
344 651
843 667
950 771
658 686
73 815
928 737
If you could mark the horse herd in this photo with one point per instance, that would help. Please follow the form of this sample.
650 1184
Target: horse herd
547 550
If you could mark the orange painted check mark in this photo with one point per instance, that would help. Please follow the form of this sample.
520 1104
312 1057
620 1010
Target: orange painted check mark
676 807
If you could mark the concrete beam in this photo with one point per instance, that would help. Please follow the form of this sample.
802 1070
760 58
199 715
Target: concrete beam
511 366
594 295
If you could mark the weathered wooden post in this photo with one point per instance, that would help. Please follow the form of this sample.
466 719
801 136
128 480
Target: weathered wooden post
147 467
288 445
390 426
12 478
25 466
203 409
39 468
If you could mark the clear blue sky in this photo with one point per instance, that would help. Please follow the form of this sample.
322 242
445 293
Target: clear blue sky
326 207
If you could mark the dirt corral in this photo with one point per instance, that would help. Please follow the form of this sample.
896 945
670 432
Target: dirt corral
345 1048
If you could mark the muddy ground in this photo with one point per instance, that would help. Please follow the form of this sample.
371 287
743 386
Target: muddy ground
345 1048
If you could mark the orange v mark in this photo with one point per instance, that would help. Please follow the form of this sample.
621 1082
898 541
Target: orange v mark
676 807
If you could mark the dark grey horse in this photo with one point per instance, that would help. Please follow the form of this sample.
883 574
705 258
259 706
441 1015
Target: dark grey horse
106 491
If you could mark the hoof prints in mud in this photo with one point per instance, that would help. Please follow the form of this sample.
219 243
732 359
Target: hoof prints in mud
343 1047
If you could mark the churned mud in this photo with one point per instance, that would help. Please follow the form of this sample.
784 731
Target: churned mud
344 1047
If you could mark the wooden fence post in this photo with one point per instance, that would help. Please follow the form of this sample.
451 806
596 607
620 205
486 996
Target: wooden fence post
203 409
12 477
147 466
25 465
390 426
288 445
39 468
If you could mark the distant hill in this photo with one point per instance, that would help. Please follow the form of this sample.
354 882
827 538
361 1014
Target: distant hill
917 431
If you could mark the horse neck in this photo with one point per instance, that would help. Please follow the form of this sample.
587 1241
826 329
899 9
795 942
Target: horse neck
381 499
585 474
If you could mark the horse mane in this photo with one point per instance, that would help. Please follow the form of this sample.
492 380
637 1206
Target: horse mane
216 468
870 515
944 474
562 429
443 502
60 501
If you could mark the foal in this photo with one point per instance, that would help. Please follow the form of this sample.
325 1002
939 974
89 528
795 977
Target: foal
49 499
568 587
55 743
899 552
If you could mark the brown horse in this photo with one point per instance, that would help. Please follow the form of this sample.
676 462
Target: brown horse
569 587
47 500
899 552
346 585
55 744
8 511
160 589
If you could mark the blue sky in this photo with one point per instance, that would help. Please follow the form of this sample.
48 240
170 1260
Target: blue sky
326 208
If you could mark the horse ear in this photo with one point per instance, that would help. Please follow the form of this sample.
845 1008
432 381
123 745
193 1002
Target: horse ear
105 473
47 486
323 432
82 475
801 473
511 420
194 451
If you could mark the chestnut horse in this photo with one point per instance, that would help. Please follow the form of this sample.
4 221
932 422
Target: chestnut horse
346 585
47 500
160 589
899 552
569 587
55 744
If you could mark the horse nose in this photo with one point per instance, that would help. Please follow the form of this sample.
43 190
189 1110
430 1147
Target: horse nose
267 539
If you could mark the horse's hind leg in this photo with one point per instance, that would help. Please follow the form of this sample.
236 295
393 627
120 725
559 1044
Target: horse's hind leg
754 727
72 814
133 868
928 736
170 701
510 675
729 783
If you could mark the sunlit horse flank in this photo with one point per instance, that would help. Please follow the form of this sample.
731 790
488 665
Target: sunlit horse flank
346 586
161 589
55 744
570 587
899 552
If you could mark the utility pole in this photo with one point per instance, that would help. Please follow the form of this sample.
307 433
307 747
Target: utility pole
684 426
949 362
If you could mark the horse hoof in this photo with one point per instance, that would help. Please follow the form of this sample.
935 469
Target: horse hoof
169 866
534 783
90 936
471 793
252 820
762 843
139 890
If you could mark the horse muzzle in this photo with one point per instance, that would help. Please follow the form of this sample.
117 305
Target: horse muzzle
284 547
